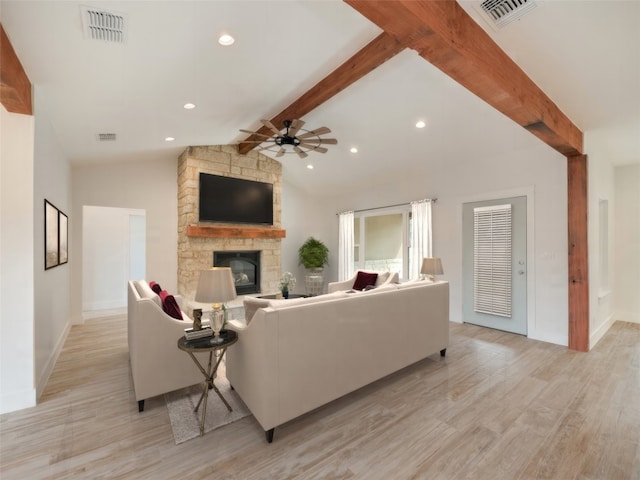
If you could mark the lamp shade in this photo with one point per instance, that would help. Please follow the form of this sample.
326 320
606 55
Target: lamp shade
216 286
431 266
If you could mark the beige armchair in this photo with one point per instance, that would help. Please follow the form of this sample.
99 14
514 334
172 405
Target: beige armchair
157 365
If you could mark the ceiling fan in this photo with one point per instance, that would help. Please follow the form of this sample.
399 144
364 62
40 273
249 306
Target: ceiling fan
301 141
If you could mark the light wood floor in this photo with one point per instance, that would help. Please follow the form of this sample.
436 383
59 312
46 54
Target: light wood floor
499 406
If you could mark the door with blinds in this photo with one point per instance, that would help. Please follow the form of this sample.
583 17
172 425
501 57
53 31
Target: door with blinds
494 264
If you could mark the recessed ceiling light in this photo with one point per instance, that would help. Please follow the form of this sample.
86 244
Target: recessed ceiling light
169 139
189 106
421 124
354 150
226 40
310 167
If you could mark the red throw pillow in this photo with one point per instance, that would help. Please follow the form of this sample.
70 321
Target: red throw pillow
363 279
170 306
155 287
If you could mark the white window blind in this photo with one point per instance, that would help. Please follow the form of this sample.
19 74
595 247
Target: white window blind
492 260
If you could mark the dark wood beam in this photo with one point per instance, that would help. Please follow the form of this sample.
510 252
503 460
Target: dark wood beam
448 38
15 87
374 54
577 181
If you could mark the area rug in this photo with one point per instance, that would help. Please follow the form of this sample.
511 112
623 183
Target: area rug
186 423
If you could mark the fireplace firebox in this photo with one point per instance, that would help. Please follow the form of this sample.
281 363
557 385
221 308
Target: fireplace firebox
245 268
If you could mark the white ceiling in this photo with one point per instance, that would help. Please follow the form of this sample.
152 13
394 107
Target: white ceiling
584 54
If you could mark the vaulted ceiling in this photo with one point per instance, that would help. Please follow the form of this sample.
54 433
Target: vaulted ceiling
368 70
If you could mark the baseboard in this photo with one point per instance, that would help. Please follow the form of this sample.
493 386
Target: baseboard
97 314
545 337
627 317
105 305
10 402
595 337
46 373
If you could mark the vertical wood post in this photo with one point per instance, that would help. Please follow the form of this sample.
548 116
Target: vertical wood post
577 200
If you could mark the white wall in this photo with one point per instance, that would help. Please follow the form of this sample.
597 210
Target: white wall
600 187
145 185
626 260
538 169
52 180
303 217
17 381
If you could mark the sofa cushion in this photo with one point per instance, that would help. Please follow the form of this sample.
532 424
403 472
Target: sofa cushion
363 279
382 288
413 283
155 286
170 306
382 277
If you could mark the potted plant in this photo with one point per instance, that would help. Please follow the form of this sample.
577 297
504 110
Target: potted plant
313 255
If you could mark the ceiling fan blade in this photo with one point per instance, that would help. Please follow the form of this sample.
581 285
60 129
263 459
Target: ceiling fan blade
315 148
281 152
295 126
314 133
255 133
271 127
326 141
300 153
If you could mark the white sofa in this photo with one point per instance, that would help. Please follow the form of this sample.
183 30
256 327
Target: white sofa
298 354
157 365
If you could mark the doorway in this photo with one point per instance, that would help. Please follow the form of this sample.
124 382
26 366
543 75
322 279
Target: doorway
494 260
113 252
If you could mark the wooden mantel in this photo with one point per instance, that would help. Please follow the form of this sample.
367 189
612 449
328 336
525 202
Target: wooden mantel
227 231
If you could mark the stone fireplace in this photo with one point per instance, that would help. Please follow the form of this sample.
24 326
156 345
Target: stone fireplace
198 242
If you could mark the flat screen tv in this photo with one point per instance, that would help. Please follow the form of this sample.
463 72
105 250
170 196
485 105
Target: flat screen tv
234 200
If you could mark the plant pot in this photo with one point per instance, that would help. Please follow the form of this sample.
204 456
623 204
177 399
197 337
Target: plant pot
314 281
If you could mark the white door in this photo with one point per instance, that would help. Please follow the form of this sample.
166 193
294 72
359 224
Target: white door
494 289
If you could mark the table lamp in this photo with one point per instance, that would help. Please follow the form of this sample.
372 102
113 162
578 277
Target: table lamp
216 286
431 266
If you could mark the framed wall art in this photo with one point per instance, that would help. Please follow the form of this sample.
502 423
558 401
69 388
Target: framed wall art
63 229
56 232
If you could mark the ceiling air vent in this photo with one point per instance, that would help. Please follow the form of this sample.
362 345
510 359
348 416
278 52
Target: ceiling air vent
106 137
503 12
100 24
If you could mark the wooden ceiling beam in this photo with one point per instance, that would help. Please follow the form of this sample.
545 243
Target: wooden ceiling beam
15 87
374 54
447 37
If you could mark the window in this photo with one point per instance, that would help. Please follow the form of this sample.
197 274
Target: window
381 241
492 260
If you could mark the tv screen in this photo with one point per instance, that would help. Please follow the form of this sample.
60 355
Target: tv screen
234 200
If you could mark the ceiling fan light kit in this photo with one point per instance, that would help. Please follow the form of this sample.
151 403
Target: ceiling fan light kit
290 141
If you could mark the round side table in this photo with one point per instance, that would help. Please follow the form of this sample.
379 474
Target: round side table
229 337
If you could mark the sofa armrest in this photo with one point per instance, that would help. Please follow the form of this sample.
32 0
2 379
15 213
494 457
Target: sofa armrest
343 285
236 325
